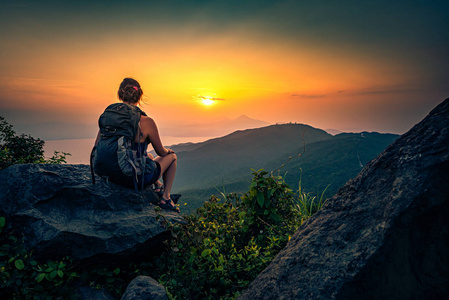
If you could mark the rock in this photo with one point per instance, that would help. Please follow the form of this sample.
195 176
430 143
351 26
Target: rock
384 235
144 288
61 213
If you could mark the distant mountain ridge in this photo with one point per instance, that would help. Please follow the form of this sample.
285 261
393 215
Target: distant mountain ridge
333 131
207 162
223 164
246 122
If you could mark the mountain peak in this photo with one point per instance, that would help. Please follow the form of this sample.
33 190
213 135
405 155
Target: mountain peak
245 122
243 117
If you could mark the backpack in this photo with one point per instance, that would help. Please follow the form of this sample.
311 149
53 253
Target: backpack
114 157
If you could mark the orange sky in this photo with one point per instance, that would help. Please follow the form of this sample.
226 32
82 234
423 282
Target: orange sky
58 74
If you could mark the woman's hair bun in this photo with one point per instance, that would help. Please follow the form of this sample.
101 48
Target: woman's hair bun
130 91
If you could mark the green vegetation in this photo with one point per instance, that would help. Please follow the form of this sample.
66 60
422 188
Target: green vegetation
327 163
307 204
23 149
223 247
228 159
22 277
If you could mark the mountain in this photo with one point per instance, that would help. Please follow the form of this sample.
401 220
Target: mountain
245 122
333 131
333 162
215 160
297 151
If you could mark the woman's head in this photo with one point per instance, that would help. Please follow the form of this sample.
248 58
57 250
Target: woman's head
130 91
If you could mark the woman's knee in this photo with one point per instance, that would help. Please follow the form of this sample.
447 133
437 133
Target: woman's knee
171 157
166 161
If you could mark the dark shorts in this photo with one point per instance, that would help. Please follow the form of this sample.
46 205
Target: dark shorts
152 177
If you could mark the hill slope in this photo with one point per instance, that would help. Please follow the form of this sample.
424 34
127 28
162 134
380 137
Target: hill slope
333 162
215 160
224 164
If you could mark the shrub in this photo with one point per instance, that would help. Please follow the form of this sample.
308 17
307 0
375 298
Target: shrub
22 277
229 241
23 149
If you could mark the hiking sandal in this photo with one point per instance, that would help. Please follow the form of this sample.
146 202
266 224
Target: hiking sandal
168 205
159 190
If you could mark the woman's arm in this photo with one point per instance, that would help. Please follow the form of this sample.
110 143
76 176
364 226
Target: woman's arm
150 131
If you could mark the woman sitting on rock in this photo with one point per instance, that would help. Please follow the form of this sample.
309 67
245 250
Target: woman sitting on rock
120 148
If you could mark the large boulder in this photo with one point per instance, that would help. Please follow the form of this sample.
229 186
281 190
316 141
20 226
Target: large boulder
144 288
384 235
61 213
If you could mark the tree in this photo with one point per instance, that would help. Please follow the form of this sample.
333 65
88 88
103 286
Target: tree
23 149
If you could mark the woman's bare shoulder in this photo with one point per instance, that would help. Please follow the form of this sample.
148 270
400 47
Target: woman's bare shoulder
147 122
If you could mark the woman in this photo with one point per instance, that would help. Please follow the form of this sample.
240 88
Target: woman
131 93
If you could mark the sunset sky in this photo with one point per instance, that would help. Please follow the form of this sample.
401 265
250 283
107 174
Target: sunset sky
345 65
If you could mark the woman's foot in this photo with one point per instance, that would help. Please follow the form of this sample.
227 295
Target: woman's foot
168 204
158 188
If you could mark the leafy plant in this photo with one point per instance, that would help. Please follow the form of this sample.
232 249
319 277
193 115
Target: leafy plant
21 276
268 197
229 241
23 149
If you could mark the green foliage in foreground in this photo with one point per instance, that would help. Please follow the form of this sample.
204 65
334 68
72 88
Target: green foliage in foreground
23 149
223 247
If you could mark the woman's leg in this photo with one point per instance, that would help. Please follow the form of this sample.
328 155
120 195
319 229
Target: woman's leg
168 170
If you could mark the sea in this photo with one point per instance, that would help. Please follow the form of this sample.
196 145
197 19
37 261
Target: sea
80 148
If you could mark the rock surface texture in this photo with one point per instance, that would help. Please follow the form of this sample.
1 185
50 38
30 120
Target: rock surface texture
144 288
61 213
384 235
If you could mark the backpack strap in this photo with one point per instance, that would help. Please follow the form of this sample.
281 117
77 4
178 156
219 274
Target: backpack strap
91 164
142 158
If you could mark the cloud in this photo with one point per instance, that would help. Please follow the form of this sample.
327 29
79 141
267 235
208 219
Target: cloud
386 91
307 96
39 85
210 98
359 92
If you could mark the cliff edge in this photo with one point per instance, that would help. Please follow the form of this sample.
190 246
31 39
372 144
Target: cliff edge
61 213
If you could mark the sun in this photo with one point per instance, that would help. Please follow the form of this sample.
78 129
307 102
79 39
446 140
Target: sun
207 101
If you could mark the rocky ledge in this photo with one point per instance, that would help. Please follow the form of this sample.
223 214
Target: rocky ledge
61 213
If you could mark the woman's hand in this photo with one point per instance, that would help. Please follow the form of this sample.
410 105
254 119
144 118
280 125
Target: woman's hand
169 151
